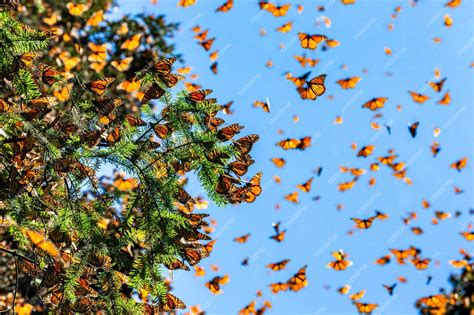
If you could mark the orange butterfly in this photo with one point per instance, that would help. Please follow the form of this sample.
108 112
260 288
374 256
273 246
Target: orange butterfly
42 243
215 284
299 280
363 223
446 100
278 265
418 98
285 28
242 239
306 186
437 86
98 87
264 105
99 52
186 3
365 308
279 162
340 263
348 83
293 197
76 9
280 235
131 44
375 103
460 164
226 6
308 41
277 11
315 87
303 60
122 65
207 44
366 151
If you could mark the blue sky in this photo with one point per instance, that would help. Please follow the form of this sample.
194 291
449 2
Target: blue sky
315 229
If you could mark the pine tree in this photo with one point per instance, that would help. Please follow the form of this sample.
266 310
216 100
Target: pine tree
81 242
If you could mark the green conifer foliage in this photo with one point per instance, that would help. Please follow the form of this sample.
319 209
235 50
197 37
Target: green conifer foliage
81 242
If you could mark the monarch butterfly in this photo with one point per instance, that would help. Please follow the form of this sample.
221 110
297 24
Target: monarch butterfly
340 263
214 55
213 68
122 65
76 9
172 79
299 280
280 235
209 246
446 100
420 264
68 61
288 144
99 52
98 87
277 11
365 308
125 184
437 86
42 243
49 75
199 95
418 98
191 87
113 136
242 239
332 43
346 2
177 264
417 230
277 287
453 3
170 303
279 162
154 92
207 44
253 188
134 121
306 186
285 28
163 66
315 87
413 128
129 86
215 284
348 83
375 103
346 185
245 144
264 105
303 60
226 6
131 44
383 260
298 81
381 216
278 265
460 164
194 255
292 197
229 132
363 223
308 41
96 18
225 184
186 3
366 151
357 296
